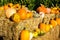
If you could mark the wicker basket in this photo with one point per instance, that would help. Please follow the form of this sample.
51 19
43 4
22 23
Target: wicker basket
5 28
31 24
11 31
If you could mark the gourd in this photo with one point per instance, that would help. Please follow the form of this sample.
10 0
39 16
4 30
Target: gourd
9 12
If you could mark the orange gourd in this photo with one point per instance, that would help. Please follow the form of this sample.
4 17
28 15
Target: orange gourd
29 15
42 9
25 35
22 13
53 22
58 21
44 27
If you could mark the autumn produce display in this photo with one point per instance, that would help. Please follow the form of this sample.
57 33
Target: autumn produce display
17 13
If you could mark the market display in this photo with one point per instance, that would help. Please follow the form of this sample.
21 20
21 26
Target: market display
18 13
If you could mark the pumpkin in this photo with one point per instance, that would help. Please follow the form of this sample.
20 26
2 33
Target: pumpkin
16 17
54 10
17 6
22 13
42 9
53 22
9 12
58 21
44 27
23 16
25 35
29 15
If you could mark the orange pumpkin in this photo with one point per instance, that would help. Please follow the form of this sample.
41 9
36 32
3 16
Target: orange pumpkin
44 27
25 35
22 13
23 16
58 21
53 22
42 9
29 14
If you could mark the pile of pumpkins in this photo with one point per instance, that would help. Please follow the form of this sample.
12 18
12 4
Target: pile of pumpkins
42 27
18 12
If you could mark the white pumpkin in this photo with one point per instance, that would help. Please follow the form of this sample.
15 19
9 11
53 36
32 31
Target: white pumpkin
9 12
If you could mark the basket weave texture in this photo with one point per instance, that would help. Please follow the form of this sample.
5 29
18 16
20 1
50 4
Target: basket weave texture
11 31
